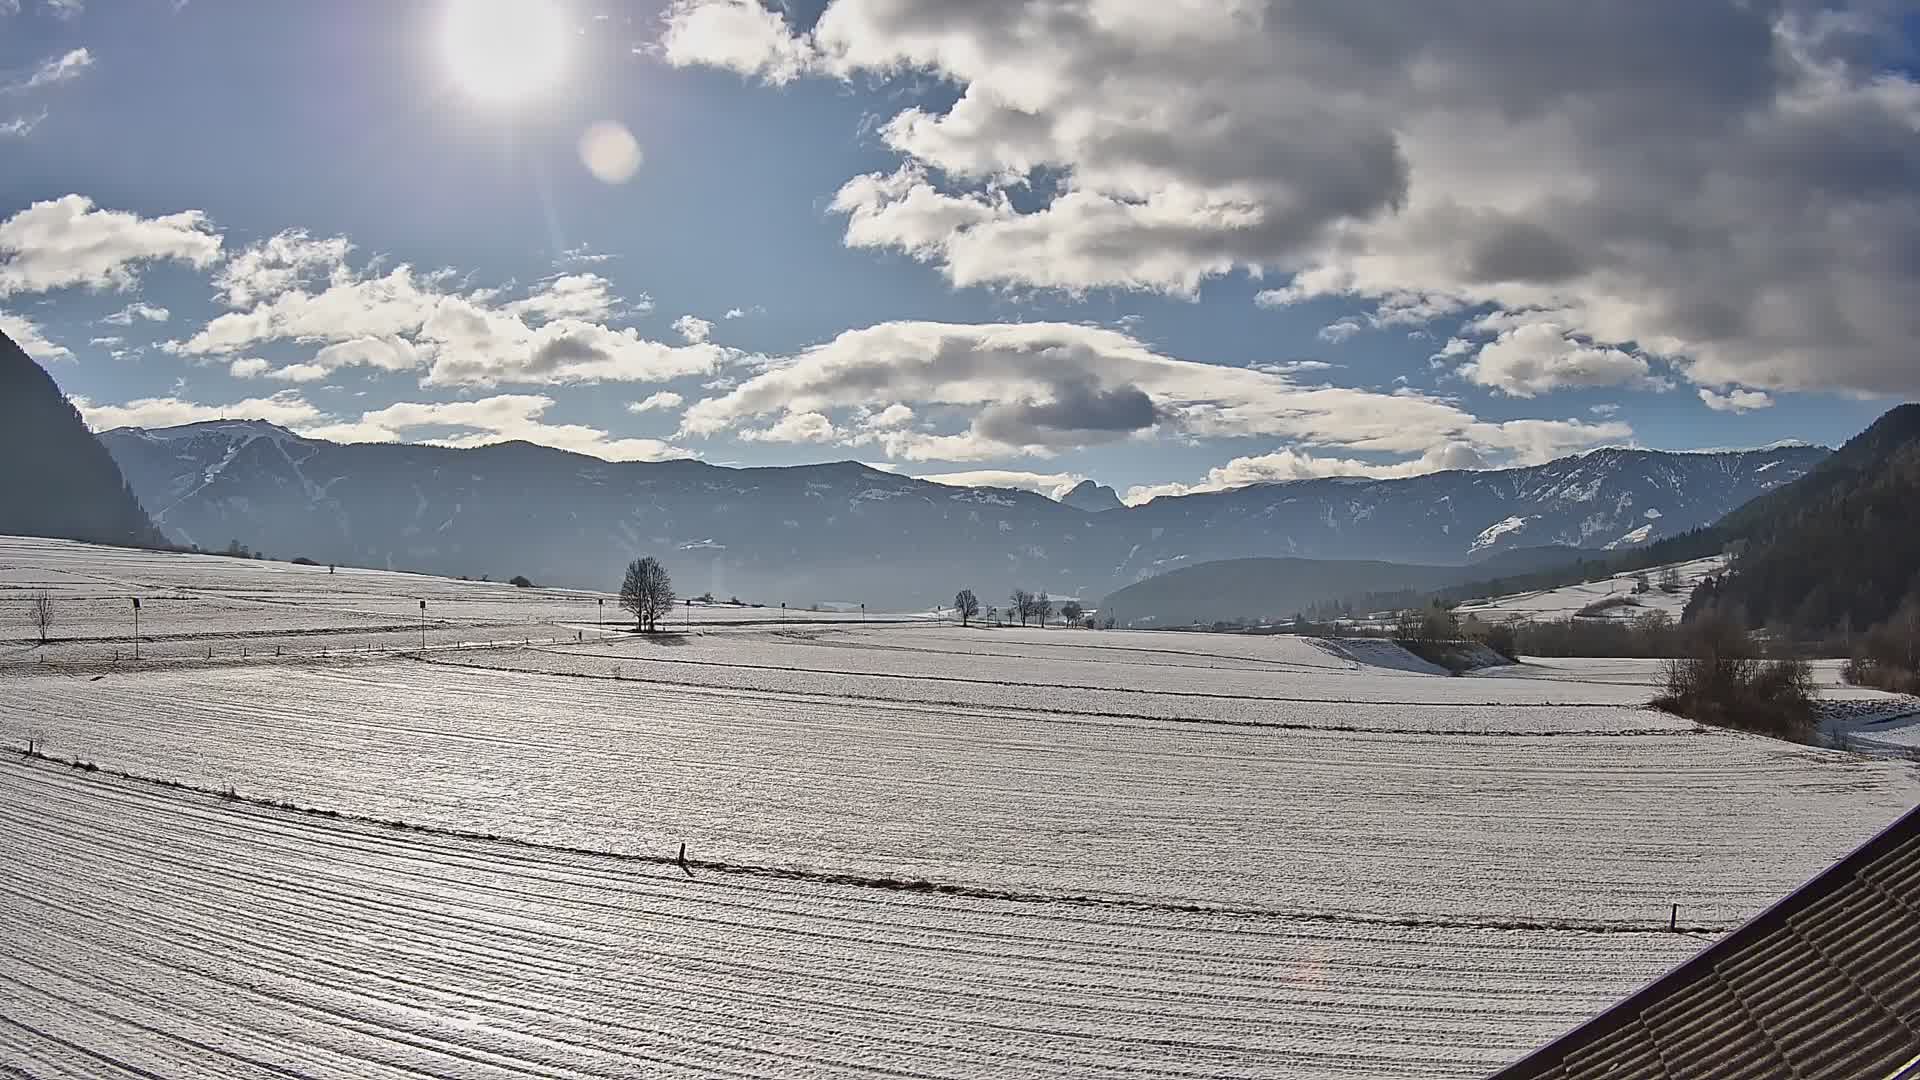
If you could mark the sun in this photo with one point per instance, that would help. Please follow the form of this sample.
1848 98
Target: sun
504 51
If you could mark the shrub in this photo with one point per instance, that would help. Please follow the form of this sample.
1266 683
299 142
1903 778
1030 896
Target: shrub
1722 681
302 560
520 581
1611 603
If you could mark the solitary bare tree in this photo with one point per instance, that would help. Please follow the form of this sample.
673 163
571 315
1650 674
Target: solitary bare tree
40 611
1042 608
647 592
966 605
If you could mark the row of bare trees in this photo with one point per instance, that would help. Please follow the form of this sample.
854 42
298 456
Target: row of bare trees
1021 604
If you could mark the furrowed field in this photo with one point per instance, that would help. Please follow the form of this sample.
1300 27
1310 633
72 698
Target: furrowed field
912 849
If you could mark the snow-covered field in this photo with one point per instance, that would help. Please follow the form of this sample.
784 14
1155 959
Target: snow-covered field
918 850
1566 601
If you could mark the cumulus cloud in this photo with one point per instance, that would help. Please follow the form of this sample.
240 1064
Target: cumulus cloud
295 288
740 35
664 401
1052 485
278 264
286 408
1541 357
1735 400
794 427
1737 186
1033 389
576 296
68 242
28 335
693 328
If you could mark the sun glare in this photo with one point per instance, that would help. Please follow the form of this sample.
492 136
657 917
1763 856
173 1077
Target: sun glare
504 50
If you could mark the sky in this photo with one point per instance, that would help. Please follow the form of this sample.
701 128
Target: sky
1165 244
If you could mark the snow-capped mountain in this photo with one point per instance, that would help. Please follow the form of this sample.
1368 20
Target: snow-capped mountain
844 532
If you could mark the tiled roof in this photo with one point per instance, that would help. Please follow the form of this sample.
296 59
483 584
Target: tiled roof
1824 984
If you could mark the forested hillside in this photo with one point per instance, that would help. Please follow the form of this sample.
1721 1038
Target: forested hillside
1839 549
58 480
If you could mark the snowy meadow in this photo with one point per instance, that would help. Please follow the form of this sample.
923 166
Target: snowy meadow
301 842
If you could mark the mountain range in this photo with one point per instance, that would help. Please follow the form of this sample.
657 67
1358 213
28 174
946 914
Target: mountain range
844 532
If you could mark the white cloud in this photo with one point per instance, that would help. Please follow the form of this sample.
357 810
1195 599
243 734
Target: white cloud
395 303
1735 400
664 401
286 408
1541 357
1292 367
20 127
1338 332
63 9
52 71
1033 389
494 419
251 367
1447 157
278 264
28 335
1289 464
893 416
67 241
296 289
740 35
1052 485
794 427
126 315
575 296
693 328
474 346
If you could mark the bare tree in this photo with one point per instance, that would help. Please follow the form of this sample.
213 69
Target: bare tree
1042 608
966 605
40 611
1020 603
1071 611
1670 580
647 592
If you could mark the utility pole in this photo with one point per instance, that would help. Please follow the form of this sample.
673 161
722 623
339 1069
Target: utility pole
136 628
423 627
603 614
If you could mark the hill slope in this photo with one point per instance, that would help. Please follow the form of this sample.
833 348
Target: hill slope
1251 590
1839 548
58 481
844 532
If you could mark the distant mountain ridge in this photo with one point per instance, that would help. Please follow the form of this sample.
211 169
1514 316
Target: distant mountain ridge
1091 497
843 532
58 480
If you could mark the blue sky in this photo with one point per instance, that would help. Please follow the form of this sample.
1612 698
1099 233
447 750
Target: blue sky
1160 249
